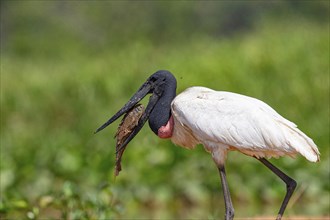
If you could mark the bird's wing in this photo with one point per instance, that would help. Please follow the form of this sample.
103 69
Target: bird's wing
244 123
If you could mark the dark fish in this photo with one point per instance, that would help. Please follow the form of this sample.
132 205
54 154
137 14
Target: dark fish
125 128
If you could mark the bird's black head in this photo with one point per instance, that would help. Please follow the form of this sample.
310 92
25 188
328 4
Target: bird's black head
162 86
165 91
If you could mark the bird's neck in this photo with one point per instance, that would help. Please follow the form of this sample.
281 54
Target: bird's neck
161 113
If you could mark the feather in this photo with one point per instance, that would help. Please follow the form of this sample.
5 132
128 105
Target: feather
237 122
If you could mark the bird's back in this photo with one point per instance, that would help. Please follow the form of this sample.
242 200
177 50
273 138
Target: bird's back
239 122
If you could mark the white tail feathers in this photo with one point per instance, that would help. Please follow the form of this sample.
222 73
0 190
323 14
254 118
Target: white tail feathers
303 144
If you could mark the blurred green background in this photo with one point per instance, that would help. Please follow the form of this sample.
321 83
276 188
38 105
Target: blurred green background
67 66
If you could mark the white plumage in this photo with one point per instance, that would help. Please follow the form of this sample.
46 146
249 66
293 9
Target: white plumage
224 121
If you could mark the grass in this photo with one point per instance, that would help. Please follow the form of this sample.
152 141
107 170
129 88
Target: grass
52 100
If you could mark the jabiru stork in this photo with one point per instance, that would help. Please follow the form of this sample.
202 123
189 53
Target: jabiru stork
222 122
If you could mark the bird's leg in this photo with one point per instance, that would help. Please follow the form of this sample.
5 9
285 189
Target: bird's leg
290 185
228 204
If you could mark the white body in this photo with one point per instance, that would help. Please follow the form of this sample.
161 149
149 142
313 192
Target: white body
224 121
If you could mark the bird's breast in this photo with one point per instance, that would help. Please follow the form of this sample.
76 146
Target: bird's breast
182 135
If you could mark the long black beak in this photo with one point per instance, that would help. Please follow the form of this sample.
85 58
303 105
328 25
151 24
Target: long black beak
147 87
138 96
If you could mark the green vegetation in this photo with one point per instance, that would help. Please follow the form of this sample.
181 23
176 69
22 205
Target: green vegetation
68 66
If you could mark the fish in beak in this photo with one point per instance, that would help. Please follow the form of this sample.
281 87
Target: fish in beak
125 128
